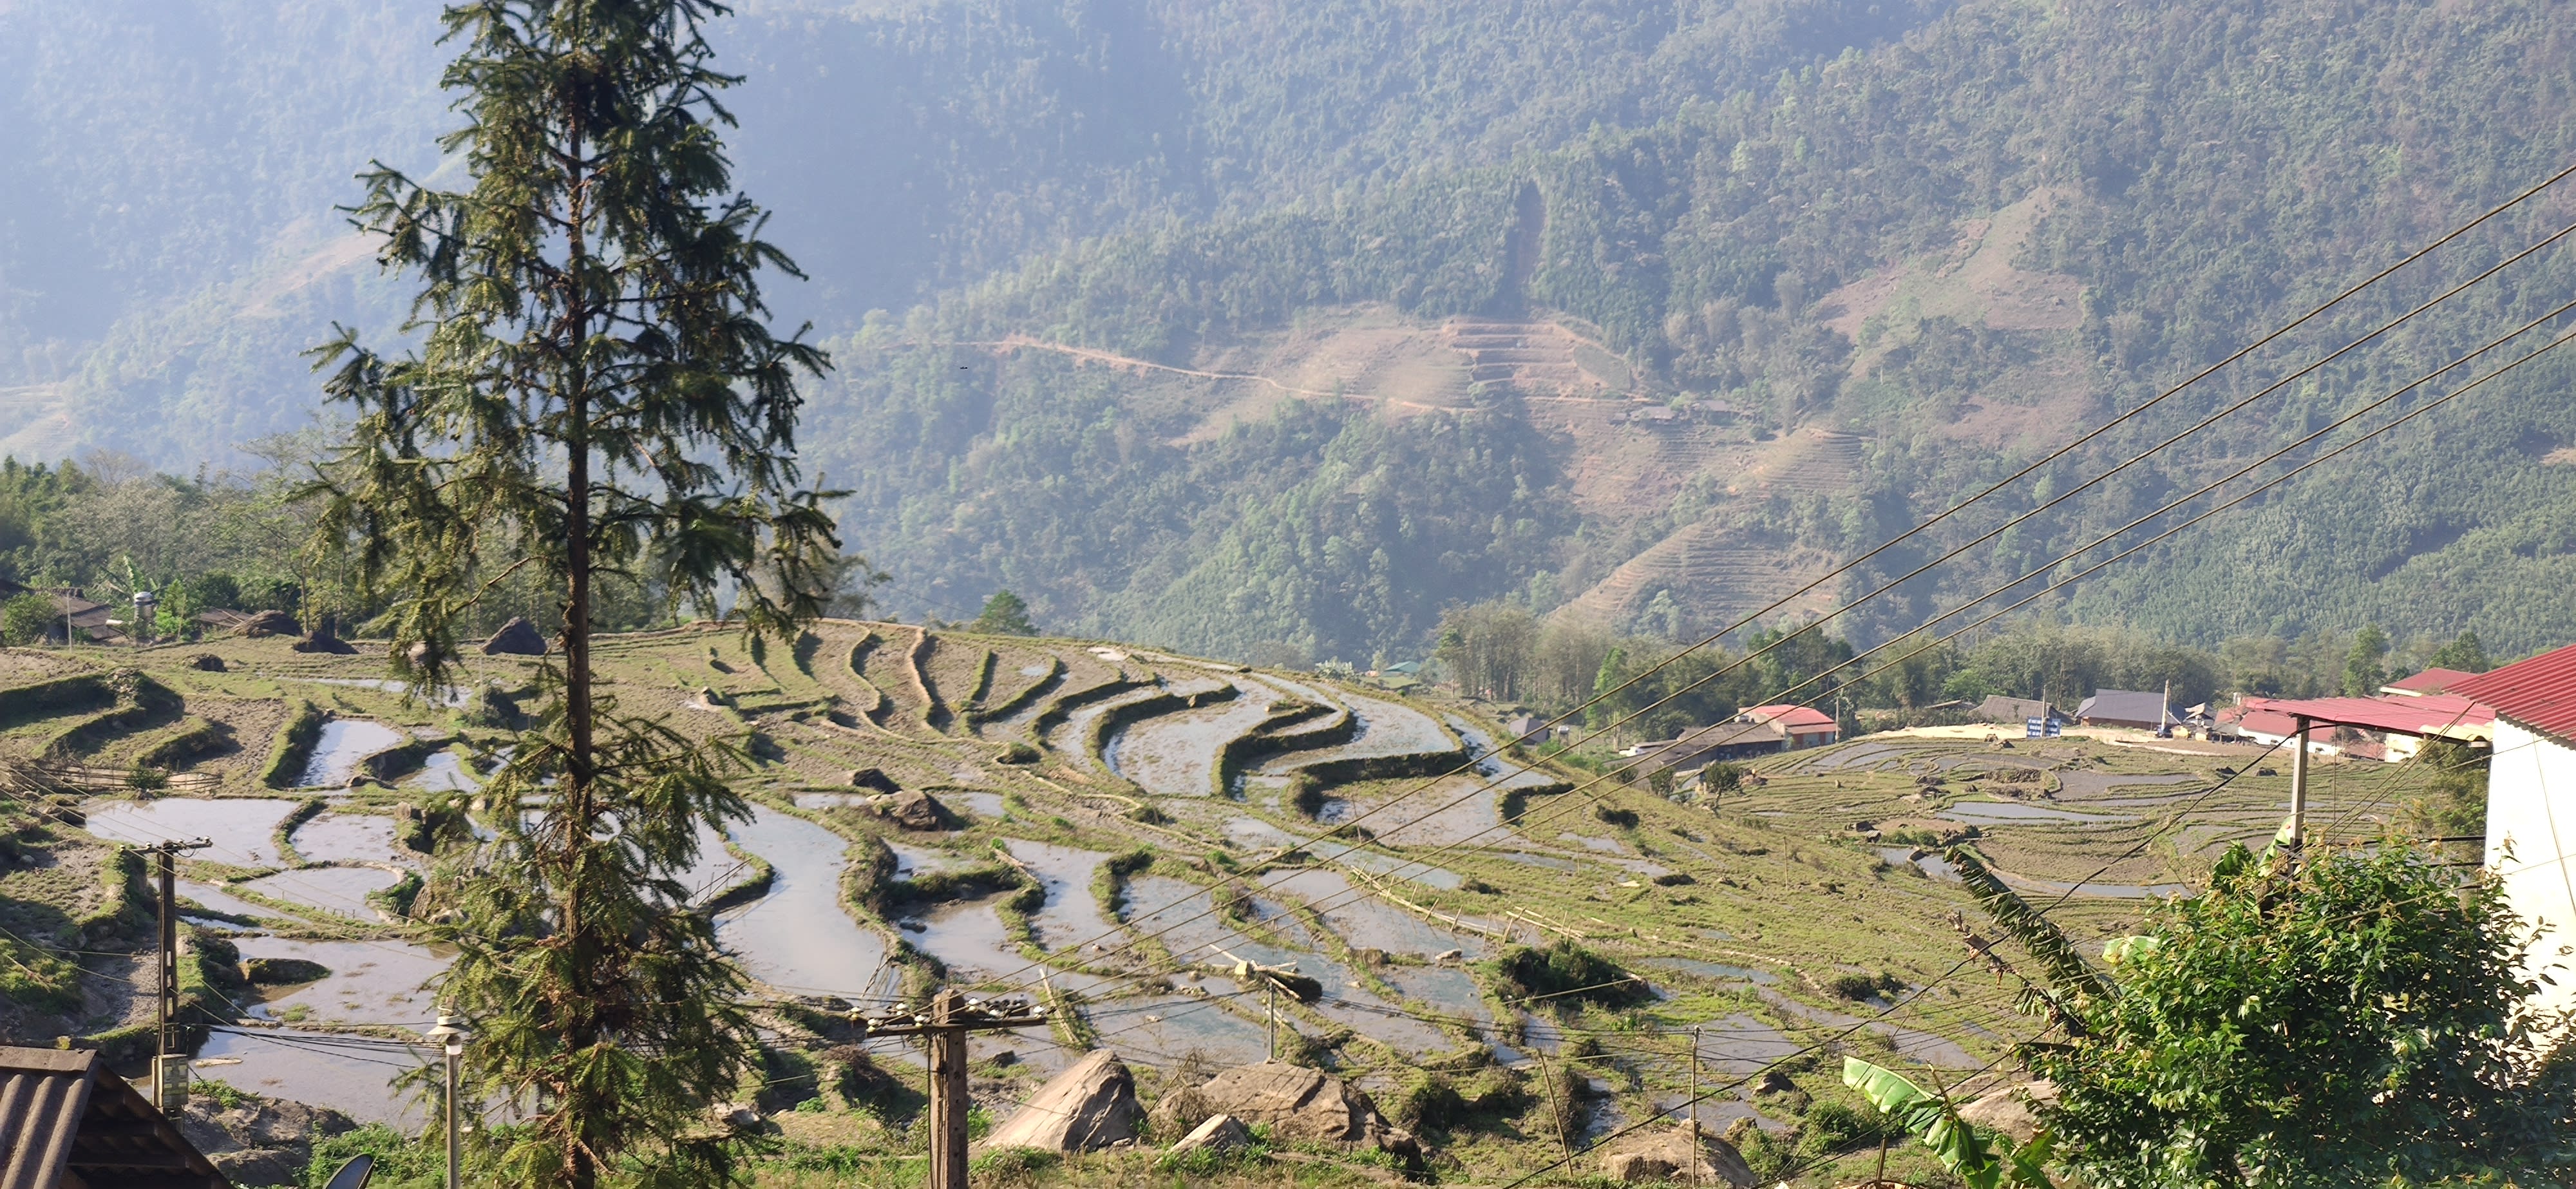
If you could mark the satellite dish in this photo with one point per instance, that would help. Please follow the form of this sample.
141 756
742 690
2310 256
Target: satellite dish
354 1174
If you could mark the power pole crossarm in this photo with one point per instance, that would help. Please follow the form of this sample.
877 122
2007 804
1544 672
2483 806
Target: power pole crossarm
945 1025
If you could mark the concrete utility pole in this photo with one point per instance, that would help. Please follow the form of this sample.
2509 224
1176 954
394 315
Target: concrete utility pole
451 1034
169 1078
2299 787
944 1027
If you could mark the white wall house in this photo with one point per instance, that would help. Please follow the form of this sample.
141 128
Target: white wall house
2531 805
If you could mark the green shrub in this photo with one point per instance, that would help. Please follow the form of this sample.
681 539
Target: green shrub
1566 974
1832 1127
1857 987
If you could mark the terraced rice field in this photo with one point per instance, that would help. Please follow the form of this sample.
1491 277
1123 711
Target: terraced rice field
1121 829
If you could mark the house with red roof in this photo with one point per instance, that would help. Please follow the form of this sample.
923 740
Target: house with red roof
2384 727
2531 803
1805 726
2430 681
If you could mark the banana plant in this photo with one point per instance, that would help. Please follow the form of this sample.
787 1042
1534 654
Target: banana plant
1966 1150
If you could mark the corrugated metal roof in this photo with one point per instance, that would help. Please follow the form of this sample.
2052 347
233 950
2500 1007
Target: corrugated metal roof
2539 693
69 1121
2404 714
2430 681
1791 716
2127 706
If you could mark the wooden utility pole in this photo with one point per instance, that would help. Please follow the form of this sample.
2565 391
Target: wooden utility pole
944 1027
166 1044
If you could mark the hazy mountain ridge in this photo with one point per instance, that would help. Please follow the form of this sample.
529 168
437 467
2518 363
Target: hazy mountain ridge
1909 267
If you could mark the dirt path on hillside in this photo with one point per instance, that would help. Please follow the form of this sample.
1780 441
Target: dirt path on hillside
1130 362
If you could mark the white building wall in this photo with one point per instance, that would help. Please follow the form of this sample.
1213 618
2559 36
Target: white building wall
2531 844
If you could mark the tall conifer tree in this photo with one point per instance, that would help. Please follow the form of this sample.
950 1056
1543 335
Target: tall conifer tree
594 393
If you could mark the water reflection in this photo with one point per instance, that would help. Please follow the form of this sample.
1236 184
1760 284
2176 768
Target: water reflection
798 937
345 742
242 828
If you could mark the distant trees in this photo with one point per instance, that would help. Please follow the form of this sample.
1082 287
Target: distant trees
2463 653
1004 614
2365 668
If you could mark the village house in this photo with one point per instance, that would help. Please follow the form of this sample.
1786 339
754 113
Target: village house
2126 708
1999 708
1804 726
2531 786
2386 727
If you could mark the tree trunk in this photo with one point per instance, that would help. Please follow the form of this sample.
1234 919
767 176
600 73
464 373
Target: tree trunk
575 802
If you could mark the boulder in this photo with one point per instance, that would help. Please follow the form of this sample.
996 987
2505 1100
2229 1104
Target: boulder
874 780
516 638
1220 1133
1091 1105
913 809
1298 1103
258 1141
2012 1110
270 623
1665 1154
207 662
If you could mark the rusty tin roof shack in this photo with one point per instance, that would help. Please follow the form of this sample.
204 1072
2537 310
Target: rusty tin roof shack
73 1124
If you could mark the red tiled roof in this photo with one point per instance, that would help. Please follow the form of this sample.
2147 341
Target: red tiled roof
2430 681
2539 693
2406 714
1792 717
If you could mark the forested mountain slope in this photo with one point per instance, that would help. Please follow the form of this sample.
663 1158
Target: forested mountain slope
1271 330
1872 285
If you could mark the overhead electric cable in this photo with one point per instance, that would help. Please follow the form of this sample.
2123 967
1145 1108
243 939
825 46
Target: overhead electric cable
1568 801
2090 435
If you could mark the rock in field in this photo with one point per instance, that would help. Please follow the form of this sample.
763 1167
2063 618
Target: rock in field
913 809
2009 1110
1220 1133
1666 1155
262 1141
1298 1104
1091 1105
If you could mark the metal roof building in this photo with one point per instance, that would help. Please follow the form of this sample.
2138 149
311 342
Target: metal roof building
71 1123
2531 802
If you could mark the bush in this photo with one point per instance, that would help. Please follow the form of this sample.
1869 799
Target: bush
1566 974
1306 794
1625 819
27 619
1017 753
402 1162
1430 1103
1832 1126
1013 1165
1857 987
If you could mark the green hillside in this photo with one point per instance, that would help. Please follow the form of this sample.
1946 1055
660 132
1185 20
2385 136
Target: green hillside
1271 331
1957 250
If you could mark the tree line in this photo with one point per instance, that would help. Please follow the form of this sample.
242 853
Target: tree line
1501 651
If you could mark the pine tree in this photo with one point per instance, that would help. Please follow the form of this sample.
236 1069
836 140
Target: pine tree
595 396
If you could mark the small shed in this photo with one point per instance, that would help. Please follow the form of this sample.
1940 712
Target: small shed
73 1124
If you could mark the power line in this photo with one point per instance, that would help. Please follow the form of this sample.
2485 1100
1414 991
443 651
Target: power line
1430 782
2408 416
